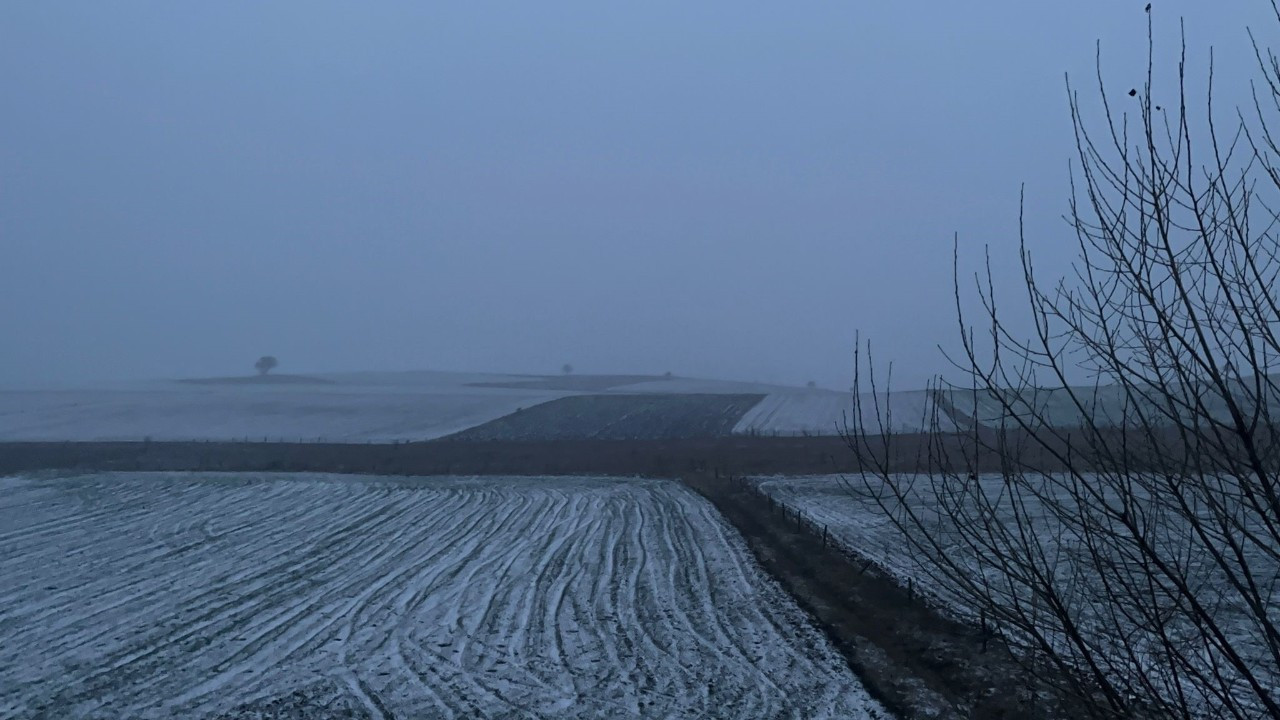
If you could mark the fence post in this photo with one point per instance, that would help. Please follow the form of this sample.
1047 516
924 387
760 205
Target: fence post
985 633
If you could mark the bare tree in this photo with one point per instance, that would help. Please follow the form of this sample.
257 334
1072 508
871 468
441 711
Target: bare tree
265 364
1121 534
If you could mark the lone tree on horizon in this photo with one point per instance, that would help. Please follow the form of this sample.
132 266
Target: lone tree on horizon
266 364
567 369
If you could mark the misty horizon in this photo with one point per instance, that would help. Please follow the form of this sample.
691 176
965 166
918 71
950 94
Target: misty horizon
659 360
718 192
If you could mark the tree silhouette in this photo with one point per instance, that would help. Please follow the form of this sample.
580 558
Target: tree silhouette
1129 537
266 364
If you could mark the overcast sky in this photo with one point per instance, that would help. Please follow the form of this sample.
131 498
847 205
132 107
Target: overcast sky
719 189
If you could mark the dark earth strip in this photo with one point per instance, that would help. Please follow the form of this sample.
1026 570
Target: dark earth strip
655 458
911 657
736 454
619 417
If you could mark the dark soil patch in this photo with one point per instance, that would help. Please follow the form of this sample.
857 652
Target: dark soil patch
654 458
671 457
736 454
618 417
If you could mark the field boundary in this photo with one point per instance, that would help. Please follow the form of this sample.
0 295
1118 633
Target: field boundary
654 458
913 659
739 455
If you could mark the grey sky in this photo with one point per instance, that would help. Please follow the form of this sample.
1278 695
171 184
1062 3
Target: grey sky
722 189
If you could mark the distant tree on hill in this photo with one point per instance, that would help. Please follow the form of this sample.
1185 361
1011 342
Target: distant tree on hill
811 384
567 369
668 375
266 364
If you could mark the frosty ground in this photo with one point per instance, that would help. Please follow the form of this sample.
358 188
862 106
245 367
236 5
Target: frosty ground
417 406
198 595
841 507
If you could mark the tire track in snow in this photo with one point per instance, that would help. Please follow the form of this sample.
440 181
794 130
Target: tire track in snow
191 595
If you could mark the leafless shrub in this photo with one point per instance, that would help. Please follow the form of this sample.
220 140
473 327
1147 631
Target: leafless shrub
1129 542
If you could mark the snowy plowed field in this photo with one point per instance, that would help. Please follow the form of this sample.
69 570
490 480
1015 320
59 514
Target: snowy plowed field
826 412
854 520
173 595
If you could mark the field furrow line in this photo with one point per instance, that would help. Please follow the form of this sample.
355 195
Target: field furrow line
156 596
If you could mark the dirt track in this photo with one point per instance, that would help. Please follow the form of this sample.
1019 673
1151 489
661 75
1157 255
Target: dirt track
670 457
915 660
656 458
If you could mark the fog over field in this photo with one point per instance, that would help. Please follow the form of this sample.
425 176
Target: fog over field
716 190
515 359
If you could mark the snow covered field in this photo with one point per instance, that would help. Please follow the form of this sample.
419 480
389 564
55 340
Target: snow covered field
860 525
177 595
854 522
388 407
345 407
825 412
349 408
810 411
